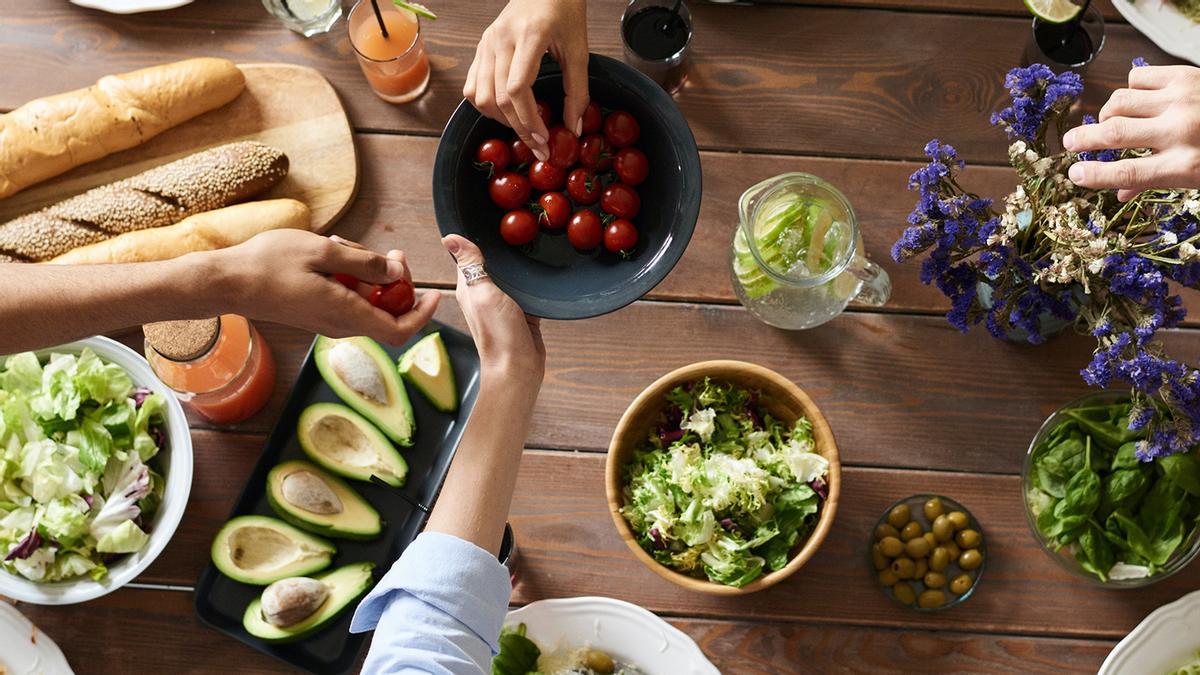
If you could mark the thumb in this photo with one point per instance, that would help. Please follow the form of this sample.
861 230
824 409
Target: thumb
465 253
365 264
575 84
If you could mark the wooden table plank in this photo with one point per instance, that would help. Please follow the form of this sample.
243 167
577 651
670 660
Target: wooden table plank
123 629
989 7
877 73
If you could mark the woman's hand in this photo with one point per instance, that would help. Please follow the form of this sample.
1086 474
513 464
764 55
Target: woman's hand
509 341
286 276
500 81
1161 111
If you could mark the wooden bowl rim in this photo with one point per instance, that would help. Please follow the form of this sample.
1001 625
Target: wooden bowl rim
729 370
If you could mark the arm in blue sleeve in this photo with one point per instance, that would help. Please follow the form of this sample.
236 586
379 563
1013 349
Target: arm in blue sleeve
438 610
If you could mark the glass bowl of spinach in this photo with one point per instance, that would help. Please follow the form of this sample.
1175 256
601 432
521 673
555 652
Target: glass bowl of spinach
1100 511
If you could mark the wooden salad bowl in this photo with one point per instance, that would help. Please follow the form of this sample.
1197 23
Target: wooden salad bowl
778 396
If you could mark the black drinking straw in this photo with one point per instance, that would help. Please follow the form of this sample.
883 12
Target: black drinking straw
666 27
1076 23
379 18
399 493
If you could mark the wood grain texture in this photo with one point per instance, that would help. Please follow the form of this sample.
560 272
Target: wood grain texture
289 107
987 7
865 83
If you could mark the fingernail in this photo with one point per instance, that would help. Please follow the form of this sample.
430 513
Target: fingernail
1075 173
1069 140
452 246
334 237
539 139
579 127
395 269
539 153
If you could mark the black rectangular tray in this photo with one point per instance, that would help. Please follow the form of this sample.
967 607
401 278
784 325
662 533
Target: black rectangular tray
221 601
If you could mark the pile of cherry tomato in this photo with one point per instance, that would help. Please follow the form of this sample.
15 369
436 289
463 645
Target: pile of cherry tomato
601 168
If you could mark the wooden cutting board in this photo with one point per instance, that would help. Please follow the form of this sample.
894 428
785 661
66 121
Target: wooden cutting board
293 108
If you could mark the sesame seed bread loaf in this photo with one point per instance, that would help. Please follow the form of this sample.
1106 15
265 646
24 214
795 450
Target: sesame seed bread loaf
162 196
49 136
206 231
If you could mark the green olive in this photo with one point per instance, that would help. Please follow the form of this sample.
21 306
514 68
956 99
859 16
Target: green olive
934 508
917 548
878 559
904 568
930 599
961 584
933 541
970 559
953 550
911 531
887 577
942 528
599 661
884 530
891 547
922 566
967 539
958 519
904 593
934 579
899 516
939 559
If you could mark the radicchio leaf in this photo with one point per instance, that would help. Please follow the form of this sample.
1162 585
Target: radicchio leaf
25 547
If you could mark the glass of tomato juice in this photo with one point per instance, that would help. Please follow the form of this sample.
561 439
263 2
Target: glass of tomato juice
396 66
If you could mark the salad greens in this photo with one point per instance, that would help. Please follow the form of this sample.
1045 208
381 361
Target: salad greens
75 489
721 489
1121 517
518 654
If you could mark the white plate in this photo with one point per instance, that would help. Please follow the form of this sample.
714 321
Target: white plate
1165 640
624 631
130 6
25 650
176 467
1158 20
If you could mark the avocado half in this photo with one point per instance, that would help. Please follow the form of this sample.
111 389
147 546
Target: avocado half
346 584
260 550
350 516
344 442
426 365
362 374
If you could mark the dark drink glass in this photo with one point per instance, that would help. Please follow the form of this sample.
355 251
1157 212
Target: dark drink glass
657 42
1067 46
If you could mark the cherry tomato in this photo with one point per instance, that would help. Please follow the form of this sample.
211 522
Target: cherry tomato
555 210
595 153
509 190
395 298
585 232
348 280
545 176
621 129
518 227
631 165
521 154
620 200
592 121
564 147
492 156
583 186
544 113
620 236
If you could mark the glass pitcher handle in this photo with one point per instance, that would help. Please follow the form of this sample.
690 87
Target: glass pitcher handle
877 285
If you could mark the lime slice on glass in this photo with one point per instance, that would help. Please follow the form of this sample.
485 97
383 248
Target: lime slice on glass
416 8
1054 11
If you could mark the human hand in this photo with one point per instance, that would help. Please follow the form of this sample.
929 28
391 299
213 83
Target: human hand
285 276
508 340
500 81
1161 111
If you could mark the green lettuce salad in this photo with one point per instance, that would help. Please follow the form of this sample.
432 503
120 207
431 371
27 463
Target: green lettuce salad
75 486
722 489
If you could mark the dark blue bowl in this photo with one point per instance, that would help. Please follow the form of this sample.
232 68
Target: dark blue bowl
549 278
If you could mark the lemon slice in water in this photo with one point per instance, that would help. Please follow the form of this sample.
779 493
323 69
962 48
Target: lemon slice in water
1054 11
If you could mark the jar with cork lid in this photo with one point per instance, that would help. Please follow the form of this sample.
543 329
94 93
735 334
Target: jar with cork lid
221 367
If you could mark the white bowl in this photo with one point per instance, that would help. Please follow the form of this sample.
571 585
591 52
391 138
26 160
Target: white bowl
1165 640
624 631
175 463
24 649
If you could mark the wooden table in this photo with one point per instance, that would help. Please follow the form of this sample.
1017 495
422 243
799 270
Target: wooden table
850 93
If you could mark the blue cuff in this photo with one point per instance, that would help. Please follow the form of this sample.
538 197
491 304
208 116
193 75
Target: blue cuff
450 575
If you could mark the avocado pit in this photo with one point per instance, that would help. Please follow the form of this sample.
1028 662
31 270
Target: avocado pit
358 371
287 602
307 491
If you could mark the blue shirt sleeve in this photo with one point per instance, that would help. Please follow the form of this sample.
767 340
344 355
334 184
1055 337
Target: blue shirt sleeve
438 610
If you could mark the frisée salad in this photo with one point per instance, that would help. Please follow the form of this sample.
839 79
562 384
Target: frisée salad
721 489
75 486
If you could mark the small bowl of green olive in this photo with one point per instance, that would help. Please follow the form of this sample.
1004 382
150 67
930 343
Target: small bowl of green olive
927 553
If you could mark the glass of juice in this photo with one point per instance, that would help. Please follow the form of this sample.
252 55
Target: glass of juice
396 65
1071 45
658 40
307 17
797 256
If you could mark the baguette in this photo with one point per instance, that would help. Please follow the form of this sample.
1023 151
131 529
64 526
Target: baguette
162 196
48 136
206 231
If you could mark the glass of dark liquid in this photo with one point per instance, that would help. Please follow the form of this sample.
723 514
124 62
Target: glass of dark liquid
658 39
1071 45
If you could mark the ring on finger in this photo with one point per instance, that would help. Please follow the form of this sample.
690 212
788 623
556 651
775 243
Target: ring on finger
473 273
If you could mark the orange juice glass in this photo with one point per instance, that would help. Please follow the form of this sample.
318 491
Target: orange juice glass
397 67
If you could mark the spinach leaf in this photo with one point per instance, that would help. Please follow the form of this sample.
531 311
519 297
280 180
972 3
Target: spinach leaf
1126 457
1095 554
1157 547
1122 489
1104 428
1064 458
1184 470
1083 494
518 654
